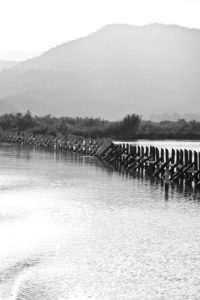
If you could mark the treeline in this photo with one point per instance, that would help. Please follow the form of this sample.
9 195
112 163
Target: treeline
129 128
180 129
125 129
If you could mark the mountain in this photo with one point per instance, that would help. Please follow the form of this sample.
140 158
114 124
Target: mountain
119 69
4 64
174 117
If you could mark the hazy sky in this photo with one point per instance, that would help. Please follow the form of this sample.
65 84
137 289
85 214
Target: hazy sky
28 27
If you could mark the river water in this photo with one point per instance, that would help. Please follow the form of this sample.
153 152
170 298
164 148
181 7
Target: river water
73 228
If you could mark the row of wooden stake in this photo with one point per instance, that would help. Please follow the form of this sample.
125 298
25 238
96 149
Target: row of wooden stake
180 165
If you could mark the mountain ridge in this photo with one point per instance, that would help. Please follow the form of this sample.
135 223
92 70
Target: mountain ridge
6 64
116 70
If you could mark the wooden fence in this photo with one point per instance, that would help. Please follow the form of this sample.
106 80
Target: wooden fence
180 166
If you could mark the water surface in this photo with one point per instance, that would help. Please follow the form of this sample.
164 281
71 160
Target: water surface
73 228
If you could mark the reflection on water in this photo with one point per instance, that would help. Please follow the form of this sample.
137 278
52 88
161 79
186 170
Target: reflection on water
72 227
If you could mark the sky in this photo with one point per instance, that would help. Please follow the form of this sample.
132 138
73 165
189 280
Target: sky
30 27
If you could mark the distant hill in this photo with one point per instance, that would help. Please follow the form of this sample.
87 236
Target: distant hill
6 64
119 69
173 117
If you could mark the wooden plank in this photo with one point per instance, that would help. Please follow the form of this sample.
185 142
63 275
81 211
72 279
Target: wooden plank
142 162
117 155
112 154
192 177
181 171
107 148
151 166
131 154
109 152
132 158
162 167
136 161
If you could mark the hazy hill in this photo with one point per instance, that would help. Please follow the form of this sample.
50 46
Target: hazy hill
117 70
174 117
6 64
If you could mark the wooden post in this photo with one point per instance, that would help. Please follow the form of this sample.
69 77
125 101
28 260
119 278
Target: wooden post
177 156
190 156
152 151
142 151
195 160
162 153
198 164
181 157
166 154
173 156
166 172
139 151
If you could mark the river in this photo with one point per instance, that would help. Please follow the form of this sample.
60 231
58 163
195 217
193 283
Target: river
72 228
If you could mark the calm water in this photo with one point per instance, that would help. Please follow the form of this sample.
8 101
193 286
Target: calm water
72 228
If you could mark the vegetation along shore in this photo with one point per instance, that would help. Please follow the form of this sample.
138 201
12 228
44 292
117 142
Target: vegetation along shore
131 127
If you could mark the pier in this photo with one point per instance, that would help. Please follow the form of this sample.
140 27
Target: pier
181 166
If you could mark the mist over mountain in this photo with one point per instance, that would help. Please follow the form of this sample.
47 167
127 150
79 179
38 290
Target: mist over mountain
119 69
